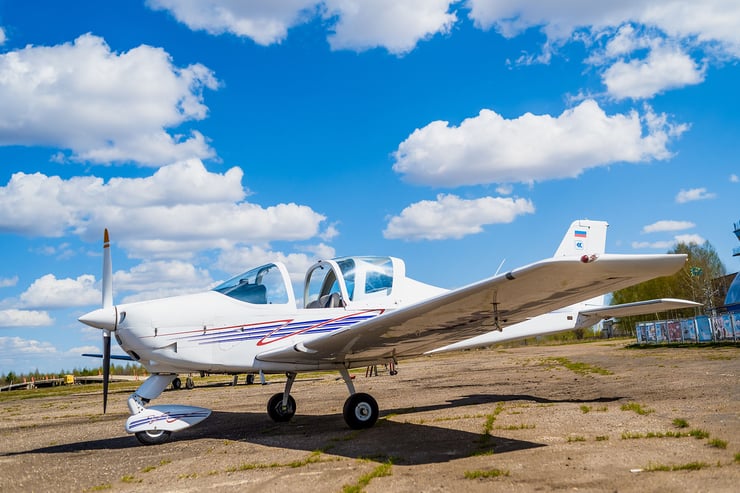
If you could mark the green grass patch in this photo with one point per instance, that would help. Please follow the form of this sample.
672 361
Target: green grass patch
717 443
384 469
576 367
699 434
314 457
585 409
101 487
737 457
634 406
690 466
576 438
490 473
654 434
602 438
488 425
680 423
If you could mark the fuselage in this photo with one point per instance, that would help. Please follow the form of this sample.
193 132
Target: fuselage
212 332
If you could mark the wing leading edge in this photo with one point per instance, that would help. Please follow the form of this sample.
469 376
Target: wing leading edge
496 302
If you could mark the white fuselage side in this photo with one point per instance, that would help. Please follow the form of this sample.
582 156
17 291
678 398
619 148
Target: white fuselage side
215 333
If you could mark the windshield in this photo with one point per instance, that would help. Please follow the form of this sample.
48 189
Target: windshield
261 286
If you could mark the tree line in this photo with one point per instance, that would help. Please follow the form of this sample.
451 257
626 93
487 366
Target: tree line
698 280
116 369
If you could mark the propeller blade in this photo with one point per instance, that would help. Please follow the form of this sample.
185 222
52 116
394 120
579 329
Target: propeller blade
107 303
107 272
106 367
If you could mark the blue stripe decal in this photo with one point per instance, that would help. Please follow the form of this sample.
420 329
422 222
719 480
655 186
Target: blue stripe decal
277 330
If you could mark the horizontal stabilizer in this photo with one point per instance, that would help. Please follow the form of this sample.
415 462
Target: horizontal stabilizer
587 318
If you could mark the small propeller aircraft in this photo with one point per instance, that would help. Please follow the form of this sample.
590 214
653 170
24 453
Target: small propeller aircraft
355 312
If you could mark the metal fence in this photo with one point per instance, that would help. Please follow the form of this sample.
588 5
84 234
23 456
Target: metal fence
719 328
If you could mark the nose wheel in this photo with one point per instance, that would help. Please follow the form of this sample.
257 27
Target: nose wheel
153 437
279 412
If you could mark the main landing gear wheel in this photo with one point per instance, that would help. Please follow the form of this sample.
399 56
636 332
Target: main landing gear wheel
360 411
189 384
276 410
177 383
153 437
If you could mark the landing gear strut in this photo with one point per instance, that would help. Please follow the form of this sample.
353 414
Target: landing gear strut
281 406
360 410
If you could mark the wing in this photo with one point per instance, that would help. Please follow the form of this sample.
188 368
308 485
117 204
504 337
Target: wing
586 318
477 308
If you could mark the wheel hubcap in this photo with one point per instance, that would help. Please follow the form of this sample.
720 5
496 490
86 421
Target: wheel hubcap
363 411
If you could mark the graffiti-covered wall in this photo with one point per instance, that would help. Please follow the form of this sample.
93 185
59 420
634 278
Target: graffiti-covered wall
697 329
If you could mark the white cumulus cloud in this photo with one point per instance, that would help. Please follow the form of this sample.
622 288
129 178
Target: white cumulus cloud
663 69
235 260
14 317
396 25
666 225
103 106
263 22
688 239
489 148
669 29
450 216
160 279
709 20
693 194
179 210
48 292
6 282
667 244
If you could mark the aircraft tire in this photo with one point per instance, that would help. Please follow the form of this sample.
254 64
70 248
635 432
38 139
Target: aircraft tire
276 411
177 383
360 411
154 437
189 384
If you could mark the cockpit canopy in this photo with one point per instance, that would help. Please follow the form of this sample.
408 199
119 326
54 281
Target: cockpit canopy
328 283
266 285
344 280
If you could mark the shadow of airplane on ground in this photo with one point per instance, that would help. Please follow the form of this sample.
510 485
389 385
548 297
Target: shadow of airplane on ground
408 443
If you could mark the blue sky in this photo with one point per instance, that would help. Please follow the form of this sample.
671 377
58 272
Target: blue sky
211 136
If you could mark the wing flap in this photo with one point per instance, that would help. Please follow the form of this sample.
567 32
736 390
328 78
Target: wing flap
477 308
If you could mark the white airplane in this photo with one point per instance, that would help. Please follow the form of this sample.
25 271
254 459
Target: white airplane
356 312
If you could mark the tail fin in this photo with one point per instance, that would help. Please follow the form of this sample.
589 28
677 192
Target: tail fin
583 237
